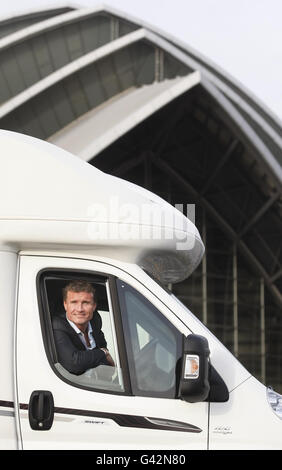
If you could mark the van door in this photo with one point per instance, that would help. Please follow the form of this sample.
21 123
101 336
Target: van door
129 406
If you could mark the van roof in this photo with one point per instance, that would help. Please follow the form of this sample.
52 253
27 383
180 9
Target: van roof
51 198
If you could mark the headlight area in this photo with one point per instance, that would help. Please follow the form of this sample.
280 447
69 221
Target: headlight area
275 401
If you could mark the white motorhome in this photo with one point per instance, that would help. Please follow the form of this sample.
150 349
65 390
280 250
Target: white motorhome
174 385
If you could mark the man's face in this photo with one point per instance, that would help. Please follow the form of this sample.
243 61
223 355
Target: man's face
79 308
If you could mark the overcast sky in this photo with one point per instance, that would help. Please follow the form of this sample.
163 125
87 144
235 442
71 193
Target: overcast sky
244 37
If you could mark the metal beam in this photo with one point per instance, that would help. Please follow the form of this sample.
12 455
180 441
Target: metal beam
220 164
262 331
160 140
164 166
159 64
235 303
259 214
128 165
276 276
258 147
204 273
148 170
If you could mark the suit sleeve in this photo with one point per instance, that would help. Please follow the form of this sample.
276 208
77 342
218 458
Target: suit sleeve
74 360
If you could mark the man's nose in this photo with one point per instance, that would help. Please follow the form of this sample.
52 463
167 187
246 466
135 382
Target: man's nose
80 307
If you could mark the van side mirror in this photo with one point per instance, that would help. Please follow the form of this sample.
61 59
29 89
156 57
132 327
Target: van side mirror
194 381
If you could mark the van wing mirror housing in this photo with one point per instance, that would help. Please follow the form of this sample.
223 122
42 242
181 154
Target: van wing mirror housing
194 381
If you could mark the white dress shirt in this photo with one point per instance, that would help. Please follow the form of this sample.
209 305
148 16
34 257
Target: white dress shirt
81 335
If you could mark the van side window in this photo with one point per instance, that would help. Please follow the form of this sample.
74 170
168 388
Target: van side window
66 346
153 345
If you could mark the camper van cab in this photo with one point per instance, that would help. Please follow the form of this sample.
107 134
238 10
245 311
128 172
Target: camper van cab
173 384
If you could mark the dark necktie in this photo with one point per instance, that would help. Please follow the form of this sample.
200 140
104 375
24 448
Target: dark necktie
86 338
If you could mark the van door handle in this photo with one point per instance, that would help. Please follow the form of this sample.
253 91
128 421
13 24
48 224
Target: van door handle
41 410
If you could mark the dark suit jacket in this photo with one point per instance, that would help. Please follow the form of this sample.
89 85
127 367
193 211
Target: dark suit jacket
71 352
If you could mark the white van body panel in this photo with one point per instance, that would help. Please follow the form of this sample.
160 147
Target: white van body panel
8 287
246 421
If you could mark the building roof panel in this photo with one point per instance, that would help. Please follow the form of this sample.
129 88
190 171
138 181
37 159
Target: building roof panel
96 130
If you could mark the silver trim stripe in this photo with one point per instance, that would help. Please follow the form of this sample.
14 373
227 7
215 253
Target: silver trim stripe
7 413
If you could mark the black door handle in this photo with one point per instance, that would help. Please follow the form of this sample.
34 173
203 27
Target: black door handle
41 410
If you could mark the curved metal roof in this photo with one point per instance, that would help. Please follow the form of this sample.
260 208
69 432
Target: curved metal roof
15 23
96 130
58 76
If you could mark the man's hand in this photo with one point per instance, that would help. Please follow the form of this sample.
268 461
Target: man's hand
108 357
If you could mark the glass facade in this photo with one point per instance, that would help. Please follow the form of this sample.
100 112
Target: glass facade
235 305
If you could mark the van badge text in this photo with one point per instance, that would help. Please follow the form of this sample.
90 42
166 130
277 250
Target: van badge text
222 430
